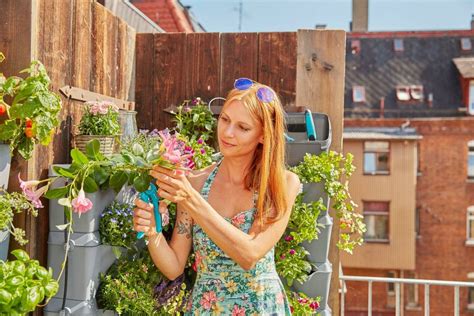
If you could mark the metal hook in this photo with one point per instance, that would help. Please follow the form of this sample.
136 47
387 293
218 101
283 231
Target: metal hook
216 98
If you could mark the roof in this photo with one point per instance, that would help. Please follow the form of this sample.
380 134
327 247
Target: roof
170 15
427 60
382 133
465 66
133 16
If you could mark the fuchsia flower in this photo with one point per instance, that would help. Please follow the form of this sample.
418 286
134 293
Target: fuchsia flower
81 204
31 193
170 147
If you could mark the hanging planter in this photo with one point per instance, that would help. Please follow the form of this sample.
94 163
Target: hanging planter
107 143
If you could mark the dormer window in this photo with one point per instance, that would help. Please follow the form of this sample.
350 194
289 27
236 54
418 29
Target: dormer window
358 94
403 93
355 46
398 45
466 43
416 92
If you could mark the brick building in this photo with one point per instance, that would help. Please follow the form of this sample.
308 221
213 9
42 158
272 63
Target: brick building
409 120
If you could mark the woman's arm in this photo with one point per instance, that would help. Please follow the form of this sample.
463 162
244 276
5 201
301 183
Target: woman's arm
245 249
169 258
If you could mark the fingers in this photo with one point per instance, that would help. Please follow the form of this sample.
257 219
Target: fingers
143 205
176 174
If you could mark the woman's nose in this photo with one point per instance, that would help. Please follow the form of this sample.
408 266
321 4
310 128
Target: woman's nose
229 131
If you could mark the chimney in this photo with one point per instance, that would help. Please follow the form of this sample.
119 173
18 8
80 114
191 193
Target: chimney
360 16
472 22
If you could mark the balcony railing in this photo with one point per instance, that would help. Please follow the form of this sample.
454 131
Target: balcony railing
397 282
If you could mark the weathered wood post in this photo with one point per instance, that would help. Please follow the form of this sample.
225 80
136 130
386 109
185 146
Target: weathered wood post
320 72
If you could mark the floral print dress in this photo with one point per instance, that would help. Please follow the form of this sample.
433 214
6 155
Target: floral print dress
222 287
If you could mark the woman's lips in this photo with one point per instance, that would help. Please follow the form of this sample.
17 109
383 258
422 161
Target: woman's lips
226 144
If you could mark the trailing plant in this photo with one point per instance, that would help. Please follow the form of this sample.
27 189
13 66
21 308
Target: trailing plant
330 168
194 120
32 115
24 284
302 305
116 225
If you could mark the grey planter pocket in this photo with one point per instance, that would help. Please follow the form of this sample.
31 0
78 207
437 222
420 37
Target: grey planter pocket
86 260
4 241
88 222
71 307
319 248
317 284
5 161
296 149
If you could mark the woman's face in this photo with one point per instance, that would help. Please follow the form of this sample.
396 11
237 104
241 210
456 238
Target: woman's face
238 132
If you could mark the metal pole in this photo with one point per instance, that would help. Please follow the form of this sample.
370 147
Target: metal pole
343 297
369 307
456 301
397 299
427 300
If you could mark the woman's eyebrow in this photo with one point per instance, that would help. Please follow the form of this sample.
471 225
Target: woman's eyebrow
240 122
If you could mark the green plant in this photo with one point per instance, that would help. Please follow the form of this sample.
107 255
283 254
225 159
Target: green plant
194 120
11 203
302 305
128 287
100 118
290 256
116 225
33 113
330 168
24 284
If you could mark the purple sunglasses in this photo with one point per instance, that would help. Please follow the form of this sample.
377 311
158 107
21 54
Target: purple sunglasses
264 94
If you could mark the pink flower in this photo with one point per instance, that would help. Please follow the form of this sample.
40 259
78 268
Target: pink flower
197 261
280 298
200 141
169 143
289 238
31 193
238 220
81 204
314 305
282 257
302 300
208 299
292 251
238 311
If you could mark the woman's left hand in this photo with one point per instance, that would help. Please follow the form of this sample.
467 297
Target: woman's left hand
172 184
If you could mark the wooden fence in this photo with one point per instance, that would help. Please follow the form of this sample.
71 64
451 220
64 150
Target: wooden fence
81 44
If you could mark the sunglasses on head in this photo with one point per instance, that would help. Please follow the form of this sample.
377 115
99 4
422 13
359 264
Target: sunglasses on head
264 94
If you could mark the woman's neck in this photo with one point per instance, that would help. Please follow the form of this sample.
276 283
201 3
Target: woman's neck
234 170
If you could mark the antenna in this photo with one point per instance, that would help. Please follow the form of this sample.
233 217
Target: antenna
241 9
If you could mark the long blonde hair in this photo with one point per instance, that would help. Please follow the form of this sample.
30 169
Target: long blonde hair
272 201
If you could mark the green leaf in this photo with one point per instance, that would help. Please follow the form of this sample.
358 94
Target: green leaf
90 186
65 202
63 172
100 175
117 180
93 150
25 148
56 193
142 182
62 227
195 117
20 254
78 157
7 130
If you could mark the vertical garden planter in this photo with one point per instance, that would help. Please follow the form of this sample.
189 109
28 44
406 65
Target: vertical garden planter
319 280
5 161
88 222
87 258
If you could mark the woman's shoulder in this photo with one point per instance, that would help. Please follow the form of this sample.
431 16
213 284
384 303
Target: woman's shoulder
292 180
198 177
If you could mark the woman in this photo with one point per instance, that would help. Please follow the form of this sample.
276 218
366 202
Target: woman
233 212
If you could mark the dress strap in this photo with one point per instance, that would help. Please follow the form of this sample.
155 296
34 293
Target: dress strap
210 178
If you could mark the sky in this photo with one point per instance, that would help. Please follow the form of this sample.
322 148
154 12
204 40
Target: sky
290 15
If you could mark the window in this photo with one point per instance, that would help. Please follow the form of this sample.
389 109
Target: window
470 298
376 157
466 44
391 286
470 225
403 93
376 218
470 160
417 222
412 291
416 92
358 94
355 46
471 98
398 45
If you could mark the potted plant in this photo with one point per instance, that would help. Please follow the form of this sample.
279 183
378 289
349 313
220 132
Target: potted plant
100 121
24 284
32 114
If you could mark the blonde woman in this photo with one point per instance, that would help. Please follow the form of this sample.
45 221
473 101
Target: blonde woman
232 213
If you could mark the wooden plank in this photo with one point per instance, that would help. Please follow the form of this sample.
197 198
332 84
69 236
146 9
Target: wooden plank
170 67
99 49
125 59
110 54
83 95
203 61
239 58
82 57
320 86
129 66
15 43
277 64
145 70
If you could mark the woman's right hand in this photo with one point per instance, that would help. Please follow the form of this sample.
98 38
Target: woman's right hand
144 218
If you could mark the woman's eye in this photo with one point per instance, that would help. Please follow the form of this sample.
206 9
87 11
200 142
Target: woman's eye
244 129
224 119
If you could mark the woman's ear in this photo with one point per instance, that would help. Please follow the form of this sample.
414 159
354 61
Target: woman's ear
261 140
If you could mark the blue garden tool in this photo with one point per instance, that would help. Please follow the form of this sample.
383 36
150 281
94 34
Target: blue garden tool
288 138
310 129
151 196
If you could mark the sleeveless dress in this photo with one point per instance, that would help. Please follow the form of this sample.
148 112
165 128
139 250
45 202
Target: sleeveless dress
222 287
